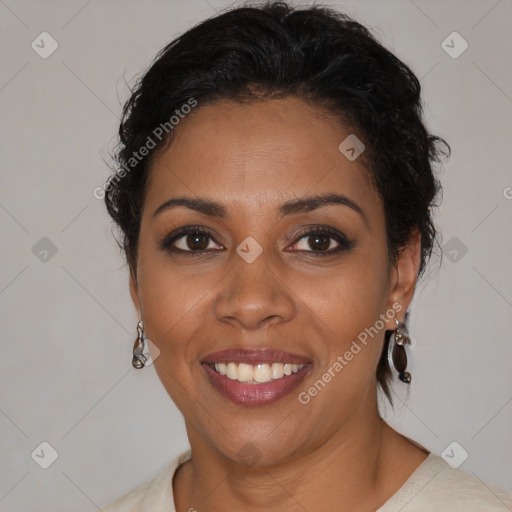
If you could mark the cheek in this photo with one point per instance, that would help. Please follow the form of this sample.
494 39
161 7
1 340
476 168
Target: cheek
173 309
351 297
172 306
170 310
348 308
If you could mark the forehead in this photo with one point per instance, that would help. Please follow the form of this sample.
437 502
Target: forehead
257 153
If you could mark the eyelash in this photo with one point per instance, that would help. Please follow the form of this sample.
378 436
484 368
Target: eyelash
344 243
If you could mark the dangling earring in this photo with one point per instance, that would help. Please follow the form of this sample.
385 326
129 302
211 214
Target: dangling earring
139 359
397 358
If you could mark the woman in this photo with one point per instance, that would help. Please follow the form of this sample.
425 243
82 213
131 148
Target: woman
274 196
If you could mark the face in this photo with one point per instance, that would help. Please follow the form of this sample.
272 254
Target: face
266 276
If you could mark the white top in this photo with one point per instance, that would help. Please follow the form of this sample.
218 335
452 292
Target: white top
434 486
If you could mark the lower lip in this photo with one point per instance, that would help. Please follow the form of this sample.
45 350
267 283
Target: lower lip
255 394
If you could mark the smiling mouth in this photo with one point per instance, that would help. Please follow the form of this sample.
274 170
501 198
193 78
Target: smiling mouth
264 384
255 377
256 373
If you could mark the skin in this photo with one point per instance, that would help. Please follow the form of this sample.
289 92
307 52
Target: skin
335 452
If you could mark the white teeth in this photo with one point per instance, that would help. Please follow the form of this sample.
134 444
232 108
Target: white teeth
232 371
258 373
245 372
277 370
262 373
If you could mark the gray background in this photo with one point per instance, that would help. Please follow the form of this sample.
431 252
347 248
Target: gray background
68 323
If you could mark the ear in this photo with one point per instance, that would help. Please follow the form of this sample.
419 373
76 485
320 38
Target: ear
403 276
134 292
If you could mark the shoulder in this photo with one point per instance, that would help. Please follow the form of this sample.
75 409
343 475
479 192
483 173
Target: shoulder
435 485
129 502
154 495
467 490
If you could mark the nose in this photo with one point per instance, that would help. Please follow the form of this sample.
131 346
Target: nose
253 296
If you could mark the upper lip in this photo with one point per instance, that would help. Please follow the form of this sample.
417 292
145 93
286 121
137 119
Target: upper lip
254 356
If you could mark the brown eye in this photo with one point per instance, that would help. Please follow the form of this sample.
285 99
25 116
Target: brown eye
196 241
321 241
189 240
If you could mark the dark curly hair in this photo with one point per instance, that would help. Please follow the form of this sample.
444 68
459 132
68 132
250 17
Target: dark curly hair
316 54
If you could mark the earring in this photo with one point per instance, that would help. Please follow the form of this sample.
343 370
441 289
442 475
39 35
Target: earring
139 359
397 358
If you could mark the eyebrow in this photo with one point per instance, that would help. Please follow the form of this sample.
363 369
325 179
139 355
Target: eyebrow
304 205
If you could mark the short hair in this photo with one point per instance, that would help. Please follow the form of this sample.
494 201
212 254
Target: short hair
314 53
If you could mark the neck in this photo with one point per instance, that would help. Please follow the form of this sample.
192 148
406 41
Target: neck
353 469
